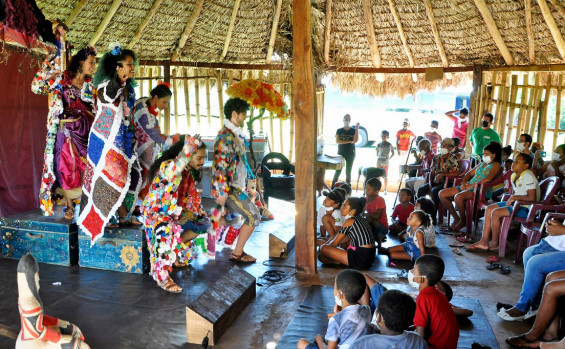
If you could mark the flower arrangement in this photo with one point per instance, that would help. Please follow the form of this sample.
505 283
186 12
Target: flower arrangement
260 95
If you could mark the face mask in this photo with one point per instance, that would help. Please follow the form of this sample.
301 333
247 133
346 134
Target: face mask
337 301
411 280
346 123
485 123
443 151
555 157
374 322
423 152
520 146
433 129
347 217
487 159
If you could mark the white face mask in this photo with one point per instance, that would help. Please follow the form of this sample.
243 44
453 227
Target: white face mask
338 301
411 280
433 129
487 159
346 217
346 123
423 152
375 322
556 157
443 151
520 146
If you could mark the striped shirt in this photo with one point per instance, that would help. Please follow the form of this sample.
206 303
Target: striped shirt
359 233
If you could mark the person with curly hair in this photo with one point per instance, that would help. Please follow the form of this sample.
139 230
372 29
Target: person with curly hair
69 121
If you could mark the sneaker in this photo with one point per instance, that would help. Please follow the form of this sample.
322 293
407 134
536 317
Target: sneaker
503 314
531 314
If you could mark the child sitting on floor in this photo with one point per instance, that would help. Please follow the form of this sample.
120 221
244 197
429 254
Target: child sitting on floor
435 320
375 210
394 315
444 288
350 320
401 211
329 216
414 246
427 205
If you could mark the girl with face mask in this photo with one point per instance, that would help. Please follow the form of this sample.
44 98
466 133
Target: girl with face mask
361 251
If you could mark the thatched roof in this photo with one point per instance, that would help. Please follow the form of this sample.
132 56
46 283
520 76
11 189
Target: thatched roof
404 34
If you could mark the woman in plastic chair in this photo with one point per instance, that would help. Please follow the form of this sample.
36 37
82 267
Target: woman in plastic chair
484 172
361 251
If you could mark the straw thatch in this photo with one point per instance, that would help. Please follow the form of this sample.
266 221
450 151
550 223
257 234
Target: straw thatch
461 27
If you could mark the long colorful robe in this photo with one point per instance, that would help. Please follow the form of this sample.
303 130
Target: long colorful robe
149 139
69 121
112 176
172 197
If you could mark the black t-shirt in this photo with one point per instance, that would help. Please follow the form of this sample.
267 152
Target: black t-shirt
345 135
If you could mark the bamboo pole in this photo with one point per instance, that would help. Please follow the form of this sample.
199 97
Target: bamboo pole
535 107
544 111
512 116
230 78
530 106
261 120
197 98
272 131
220 85
208 111
499 107
504 112
167 78
523 106
176 101
142 71
292 125
481 106
187 98
558 111
281 124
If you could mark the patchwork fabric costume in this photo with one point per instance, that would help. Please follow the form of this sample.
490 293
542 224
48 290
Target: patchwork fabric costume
171 202
112 175
39 330
149 139
69 121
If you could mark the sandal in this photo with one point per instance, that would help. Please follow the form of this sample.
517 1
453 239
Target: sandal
522 342
505 269
494 266
503 305
69 212
170 286
464 239
456 244
456 251
242 258
492 259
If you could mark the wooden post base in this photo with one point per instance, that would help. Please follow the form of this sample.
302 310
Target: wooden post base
213 312
281 243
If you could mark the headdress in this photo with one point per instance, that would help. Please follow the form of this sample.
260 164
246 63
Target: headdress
166 84
115 48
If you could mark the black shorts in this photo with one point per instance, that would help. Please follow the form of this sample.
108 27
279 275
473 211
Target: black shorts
361 258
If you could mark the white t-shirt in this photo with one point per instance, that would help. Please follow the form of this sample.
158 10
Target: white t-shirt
525 182
348 325
336 214
556 241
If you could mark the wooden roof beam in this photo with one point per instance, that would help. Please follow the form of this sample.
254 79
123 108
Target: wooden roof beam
144 24
433 24
187 30
558 7
401 32
371 38
274 31
230 30
530 31
79 6
553 28
109 15
494 32
328 32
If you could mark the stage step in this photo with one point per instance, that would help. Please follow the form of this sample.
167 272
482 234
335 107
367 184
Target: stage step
281 243
214 310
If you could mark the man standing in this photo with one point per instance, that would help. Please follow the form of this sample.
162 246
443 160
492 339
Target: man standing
346 137
481 136
230 172
460 124
433 136
385 152
403 139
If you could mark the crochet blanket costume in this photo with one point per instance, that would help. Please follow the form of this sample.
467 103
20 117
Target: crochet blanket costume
112 175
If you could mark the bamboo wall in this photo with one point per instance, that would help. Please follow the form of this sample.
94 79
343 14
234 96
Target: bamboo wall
521 102
200 93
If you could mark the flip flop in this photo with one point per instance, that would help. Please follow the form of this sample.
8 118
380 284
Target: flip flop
464 239
515 341
456 244
505 269
492 259
494 266
456 251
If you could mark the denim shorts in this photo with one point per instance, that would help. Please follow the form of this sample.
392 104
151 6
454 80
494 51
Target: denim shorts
376 291
522 211
411 249
312 346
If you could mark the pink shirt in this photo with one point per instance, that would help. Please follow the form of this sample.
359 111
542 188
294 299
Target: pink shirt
434 139
460 131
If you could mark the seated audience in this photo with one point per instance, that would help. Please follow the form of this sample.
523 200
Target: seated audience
539 260
523 144
414 246
423 167
444 288
329 215
458 150
435 320
484 172
350 320
361 251
526 188
551 313
506 153
433 136
394 315
556 167
401 212
417 157
375 210
445 164
537 149
427 205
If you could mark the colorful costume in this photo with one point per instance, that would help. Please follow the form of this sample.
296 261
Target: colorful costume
68 125
112 175
172 203
39 330
149 138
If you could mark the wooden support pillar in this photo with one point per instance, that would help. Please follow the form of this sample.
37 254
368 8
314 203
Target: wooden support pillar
543 124
523 107
534 107
187 98
176 100
292 122
197 97
500 104
504 109
208 111
558 110
141 83
281 125
220 85
167 78
475 109
512 112
303 86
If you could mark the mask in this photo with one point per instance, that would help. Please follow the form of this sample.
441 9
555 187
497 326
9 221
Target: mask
487 159
347 217
346 123
556 157
485 123
374 321
337 301
433 129
443 151
411 280
423 152
520 146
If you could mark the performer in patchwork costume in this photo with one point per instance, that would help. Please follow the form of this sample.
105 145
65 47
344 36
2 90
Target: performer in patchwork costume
68 126
112 178
39 330
230 172
147 132
172 211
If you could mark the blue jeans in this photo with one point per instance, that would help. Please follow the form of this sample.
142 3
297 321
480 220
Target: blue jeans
539 260
376 292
